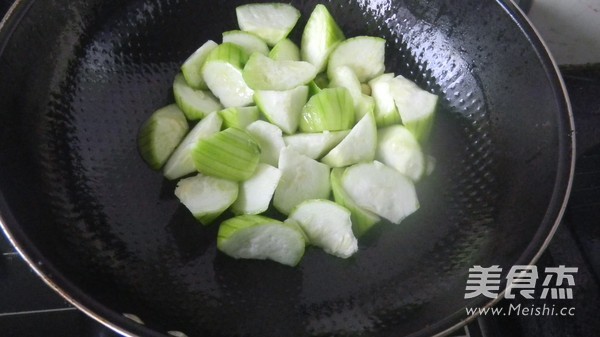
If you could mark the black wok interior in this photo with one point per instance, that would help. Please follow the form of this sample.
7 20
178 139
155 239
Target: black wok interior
77 79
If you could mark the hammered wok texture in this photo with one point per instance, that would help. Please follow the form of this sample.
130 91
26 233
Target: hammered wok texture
79 78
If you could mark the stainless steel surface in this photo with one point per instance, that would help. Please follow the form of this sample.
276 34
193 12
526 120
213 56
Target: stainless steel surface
571 29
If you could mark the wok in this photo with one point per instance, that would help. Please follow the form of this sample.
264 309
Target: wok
78 78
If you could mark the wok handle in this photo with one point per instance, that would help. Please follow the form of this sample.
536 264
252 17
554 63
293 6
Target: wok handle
583 85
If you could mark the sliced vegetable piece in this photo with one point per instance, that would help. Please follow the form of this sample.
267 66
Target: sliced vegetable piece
327 225
222 72
256 193
320 37
365 88
313 88
319 83
344 77
302 179
239 117
262 238
359 146
322 81
160 135
263 73
366 104
363 103
292 222
331 109
315 145
399 149
195 104
365 55
229 53
249 42
271 21
270 139
192 67
362 220
285 50
206 197
417 107
231 154
180 163
282 108
386 112
382 190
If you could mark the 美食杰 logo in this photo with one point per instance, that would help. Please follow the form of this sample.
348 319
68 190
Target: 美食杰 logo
526 282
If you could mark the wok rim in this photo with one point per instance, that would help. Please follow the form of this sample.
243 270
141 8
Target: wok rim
123 325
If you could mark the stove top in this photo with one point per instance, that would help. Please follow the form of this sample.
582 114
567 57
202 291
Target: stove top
29 308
